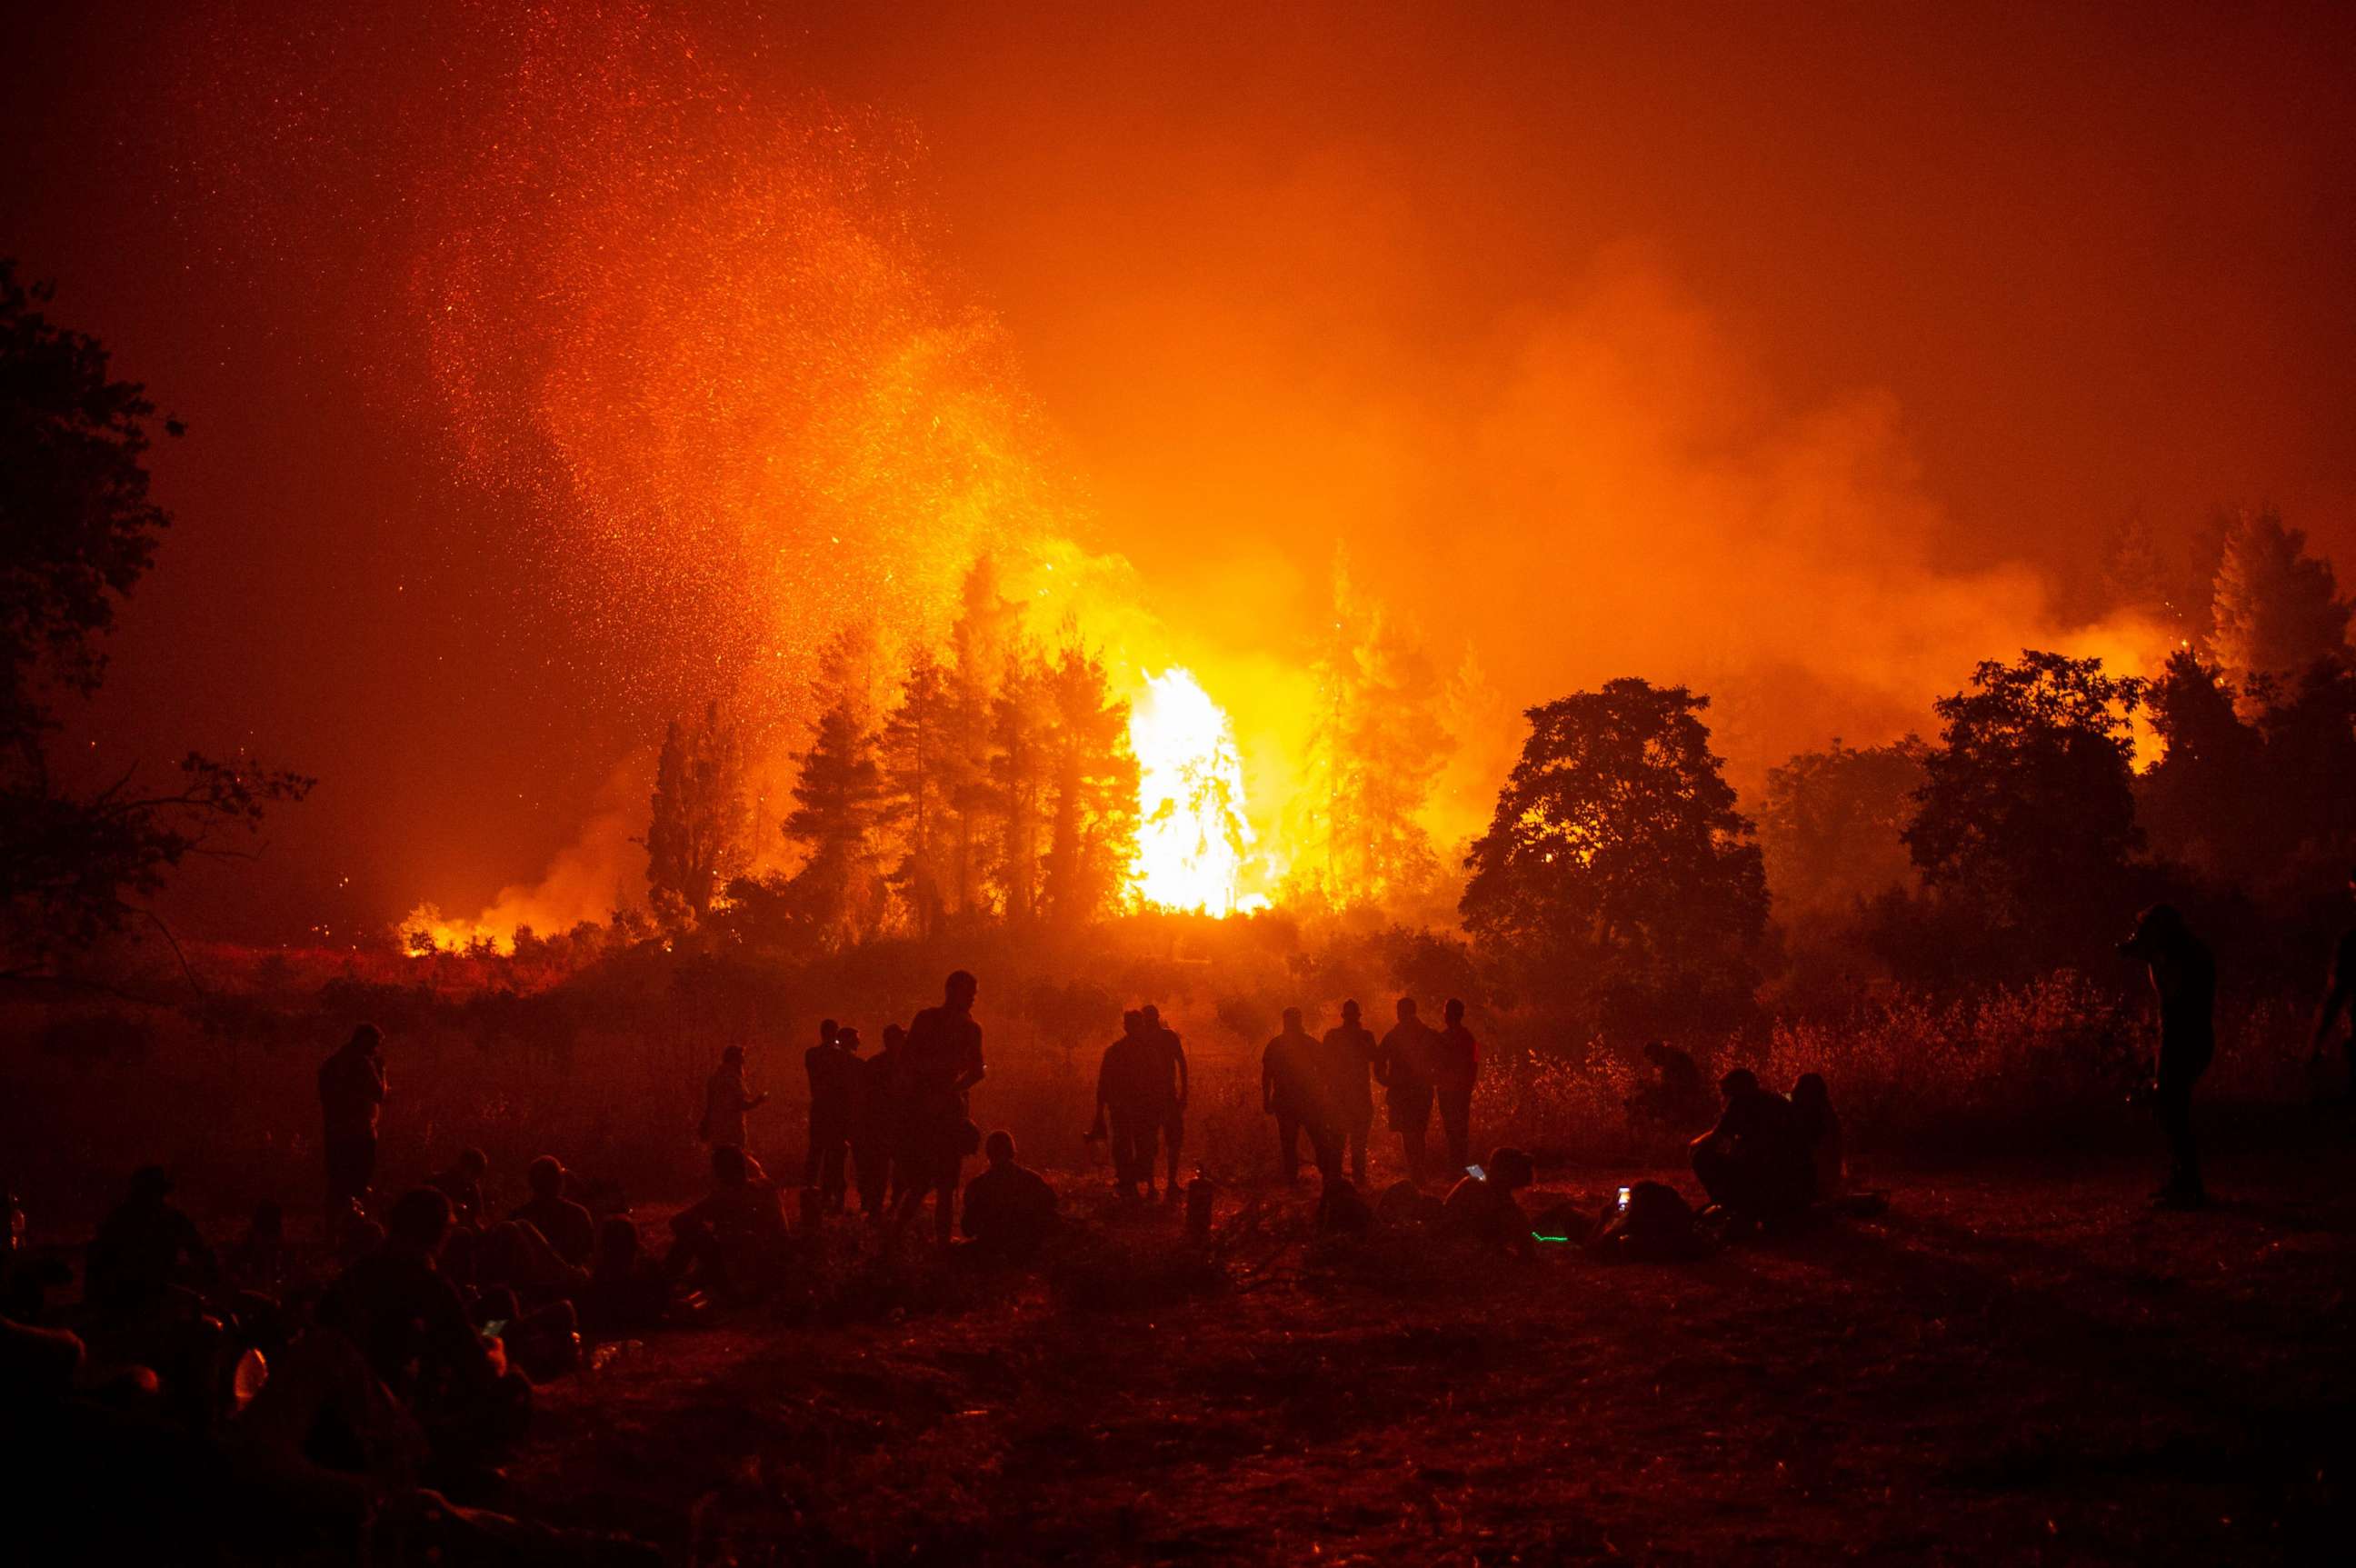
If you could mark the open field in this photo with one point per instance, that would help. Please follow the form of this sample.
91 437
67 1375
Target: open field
2019 1362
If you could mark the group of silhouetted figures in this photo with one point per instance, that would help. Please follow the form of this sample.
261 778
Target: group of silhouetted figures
281 1410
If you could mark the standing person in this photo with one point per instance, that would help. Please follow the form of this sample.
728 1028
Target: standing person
2185 976
834 1074
351 1098
2341 996
725 1102
1348 1055
1291 1091
1170 1084
1127 1109
1456 1065
873 1117
940 1063
1404 1064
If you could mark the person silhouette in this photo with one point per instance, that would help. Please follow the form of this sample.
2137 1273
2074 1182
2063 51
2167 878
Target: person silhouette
1010 1210
1404 1064
2340 996
2184 976
1820 1124
725 1102
1348 1055
940 1063
1483 1209
1755 1163
1129 1107
875 1124
568 1227
1291 1091
833 1067
1456 1067
352 1090
1170 1088
461 1184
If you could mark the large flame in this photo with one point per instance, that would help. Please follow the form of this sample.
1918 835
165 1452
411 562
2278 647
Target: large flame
1194 839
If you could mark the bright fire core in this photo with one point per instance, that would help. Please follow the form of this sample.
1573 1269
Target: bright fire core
1193 837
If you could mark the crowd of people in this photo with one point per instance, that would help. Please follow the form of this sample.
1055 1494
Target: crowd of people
391 1384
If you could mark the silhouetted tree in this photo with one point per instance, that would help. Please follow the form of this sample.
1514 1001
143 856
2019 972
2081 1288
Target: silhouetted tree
2307 801
1831 822
697 837
2276 609
2026 817
1377 749
1616 880
1021 759
982 640
918 771
2194 804
837 801
1092 822
77 532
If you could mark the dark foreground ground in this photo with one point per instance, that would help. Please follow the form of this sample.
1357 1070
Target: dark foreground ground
2016 1363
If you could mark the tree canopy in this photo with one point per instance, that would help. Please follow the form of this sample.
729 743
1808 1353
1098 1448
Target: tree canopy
1616 876
78 530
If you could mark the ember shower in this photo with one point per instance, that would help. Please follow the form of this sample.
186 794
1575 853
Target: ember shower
699 325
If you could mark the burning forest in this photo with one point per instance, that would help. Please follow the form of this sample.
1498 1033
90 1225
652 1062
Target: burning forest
873 784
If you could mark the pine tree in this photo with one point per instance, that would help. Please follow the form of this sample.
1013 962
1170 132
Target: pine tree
1022 740
697 835
918 771
838 800
982 640
1092 815
1376 751
2277 609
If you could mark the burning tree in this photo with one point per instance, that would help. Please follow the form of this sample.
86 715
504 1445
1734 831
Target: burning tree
1377 749
918 771
76 534
701 829
1093 823
836 803
1616 882
984 643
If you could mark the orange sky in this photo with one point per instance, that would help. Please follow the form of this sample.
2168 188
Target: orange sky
1798 351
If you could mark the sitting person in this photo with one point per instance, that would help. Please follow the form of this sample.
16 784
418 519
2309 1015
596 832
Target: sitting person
626 1293
1482 1208
147 1280
1673 1092
1820 1124
569 1227
1755 1164
1341 1209
731 1241
145 1250
411 1326
259 1262
1010 1210
514 1256
461 1184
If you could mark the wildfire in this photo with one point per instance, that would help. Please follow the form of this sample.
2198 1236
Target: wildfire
1193 839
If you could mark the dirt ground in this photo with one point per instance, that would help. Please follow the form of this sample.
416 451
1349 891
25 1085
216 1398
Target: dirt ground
2018 1362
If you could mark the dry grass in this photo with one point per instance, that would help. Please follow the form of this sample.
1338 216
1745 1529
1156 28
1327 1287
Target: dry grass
2018 1365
